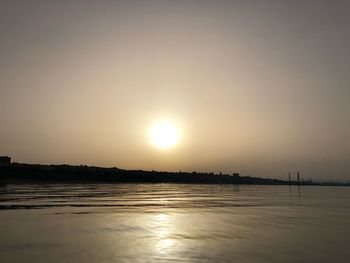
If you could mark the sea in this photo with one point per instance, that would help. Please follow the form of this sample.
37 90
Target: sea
173 223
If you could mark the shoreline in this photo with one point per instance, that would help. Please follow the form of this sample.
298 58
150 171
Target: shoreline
20 173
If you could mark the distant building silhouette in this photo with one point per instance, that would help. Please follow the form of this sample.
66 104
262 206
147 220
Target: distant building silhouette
5 160
235 175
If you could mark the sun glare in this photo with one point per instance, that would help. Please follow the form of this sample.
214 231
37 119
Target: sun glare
164 135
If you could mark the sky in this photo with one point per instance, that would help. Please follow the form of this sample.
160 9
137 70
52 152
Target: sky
257 87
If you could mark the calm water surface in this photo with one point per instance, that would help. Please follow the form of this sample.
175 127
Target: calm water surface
173 222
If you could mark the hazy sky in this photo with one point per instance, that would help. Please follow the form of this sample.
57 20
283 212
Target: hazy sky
259 87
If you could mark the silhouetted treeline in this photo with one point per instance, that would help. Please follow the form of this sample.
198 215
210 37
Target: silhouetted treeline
68 173
17 172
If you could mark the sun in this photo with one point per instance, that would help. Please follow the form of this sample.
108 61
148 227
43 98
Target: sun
164 134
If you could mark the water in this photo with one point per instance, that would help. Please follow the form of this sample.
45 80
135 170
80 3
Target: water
172 222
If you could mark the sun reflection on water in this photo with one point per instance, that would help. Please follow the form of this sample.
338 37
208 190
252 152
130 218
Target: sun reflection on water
164 244
164 229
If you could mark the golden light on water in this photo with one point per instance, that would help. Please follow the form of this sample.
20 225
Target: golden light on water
164 134
165 228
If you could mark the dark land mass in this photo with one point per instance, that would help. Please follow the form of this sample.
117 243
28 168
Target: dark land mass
18 172
36 173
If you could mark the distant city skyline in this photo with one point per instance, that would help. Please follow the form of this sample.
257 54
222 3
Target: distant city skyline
255 87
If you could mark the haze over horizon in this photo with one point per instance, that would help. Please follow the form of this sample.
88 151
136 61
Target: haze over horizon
256 87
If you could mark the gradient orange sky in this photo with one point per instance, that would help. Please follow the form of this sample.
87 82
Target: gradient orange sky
257 87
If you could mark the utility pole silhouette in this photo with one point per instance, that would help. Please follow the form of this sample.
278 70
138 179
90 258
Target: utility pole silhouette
289 177
298 178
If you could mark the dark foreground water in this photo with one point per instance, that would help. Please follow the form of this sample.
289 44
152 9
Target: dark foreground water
172 222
